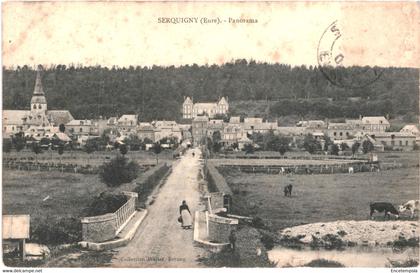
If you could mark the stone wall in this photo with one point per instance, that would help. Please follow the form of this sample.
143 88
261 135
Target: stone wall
220 228
99 228
217 182
218 201
105 227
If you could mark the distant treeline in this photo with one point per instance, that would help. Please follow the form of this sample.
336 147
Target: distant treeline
157 92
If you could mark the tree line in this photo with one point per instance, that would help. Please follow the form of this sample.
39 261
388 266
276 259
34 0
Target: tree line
157 92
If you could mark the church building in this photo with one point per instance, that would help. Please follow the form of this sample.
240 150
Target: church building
37 121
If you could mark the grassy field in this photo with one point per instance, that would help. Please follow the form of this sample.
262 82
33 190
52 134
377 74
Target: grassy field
405 158
94 159
318 198
281 162
23 193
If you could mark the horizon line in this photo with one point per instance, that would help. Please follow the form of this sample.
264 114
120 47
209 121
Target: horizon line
150 66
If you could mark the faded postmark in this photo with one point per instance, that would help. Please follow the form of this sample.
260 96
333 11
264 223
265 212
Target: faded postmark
331 60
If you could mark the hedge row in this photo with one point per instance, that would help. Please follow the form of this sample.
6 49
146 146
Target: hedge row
216 182
149 181
63 167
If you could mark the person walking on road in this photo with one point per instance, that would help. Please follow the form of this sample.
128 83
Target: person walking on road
186 217
232 240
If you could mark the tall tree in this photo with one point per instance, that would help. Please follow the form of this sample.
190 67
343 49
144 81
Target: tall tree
157 149
367 146
36 148
310 144
19 141
355 147
249 148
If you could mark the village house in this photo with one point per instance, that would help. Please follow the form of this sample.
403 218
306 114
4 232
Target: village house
235 120
78 127
313 127
347 130
186 134
112 122
145 130
167 129
257 125
191 110
232 133
39 117
38 132
215 125
340 131
412 129
199 129
312 124
291 131
375 124
127 124
99 126
395 140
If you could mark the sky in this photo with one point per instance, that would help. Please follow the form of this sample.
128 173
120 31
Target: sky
129 33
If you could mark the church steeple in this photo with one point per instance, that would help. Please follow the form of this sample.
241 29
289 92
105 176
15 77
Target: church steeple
38 90
38 101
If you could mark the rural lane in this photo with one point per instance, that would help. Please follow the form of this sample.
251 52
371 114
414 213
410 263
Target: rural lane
160 241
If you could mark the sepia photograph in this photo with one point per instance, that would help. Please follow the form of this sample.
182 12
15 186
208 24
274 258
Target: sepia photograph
210 135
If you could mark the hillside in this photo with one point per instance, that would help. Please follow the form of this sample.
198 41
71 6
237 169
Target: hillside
253 89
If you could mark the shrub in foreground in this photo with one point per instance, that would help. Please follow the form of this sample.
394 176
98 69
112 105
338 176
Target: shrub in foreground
118 171
105 202
323 263
54 231
406 263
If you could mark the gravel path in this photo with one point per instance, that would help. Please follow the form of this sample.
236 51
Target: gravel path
160 241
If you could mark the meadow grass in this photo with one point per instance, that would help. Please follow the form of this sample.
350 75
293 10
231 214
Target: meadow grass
319 198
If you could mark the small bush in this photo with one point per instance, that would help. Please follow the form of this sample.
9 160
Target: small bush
329 241
402 242
105 203
323 263
58 231
224 258
342 233
7 145
267 241
118 171
292 242
257 222
406 263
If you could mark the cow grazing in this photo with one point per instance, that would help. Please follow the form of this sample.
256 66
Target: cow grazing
288 190
282 171
412 205
386 207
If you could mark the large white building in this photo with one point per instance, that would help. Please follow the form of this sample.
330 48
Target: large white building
38 119
191 110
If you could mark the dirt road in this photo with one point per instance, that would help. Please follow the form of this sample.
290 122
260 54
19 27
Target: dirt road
160 241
